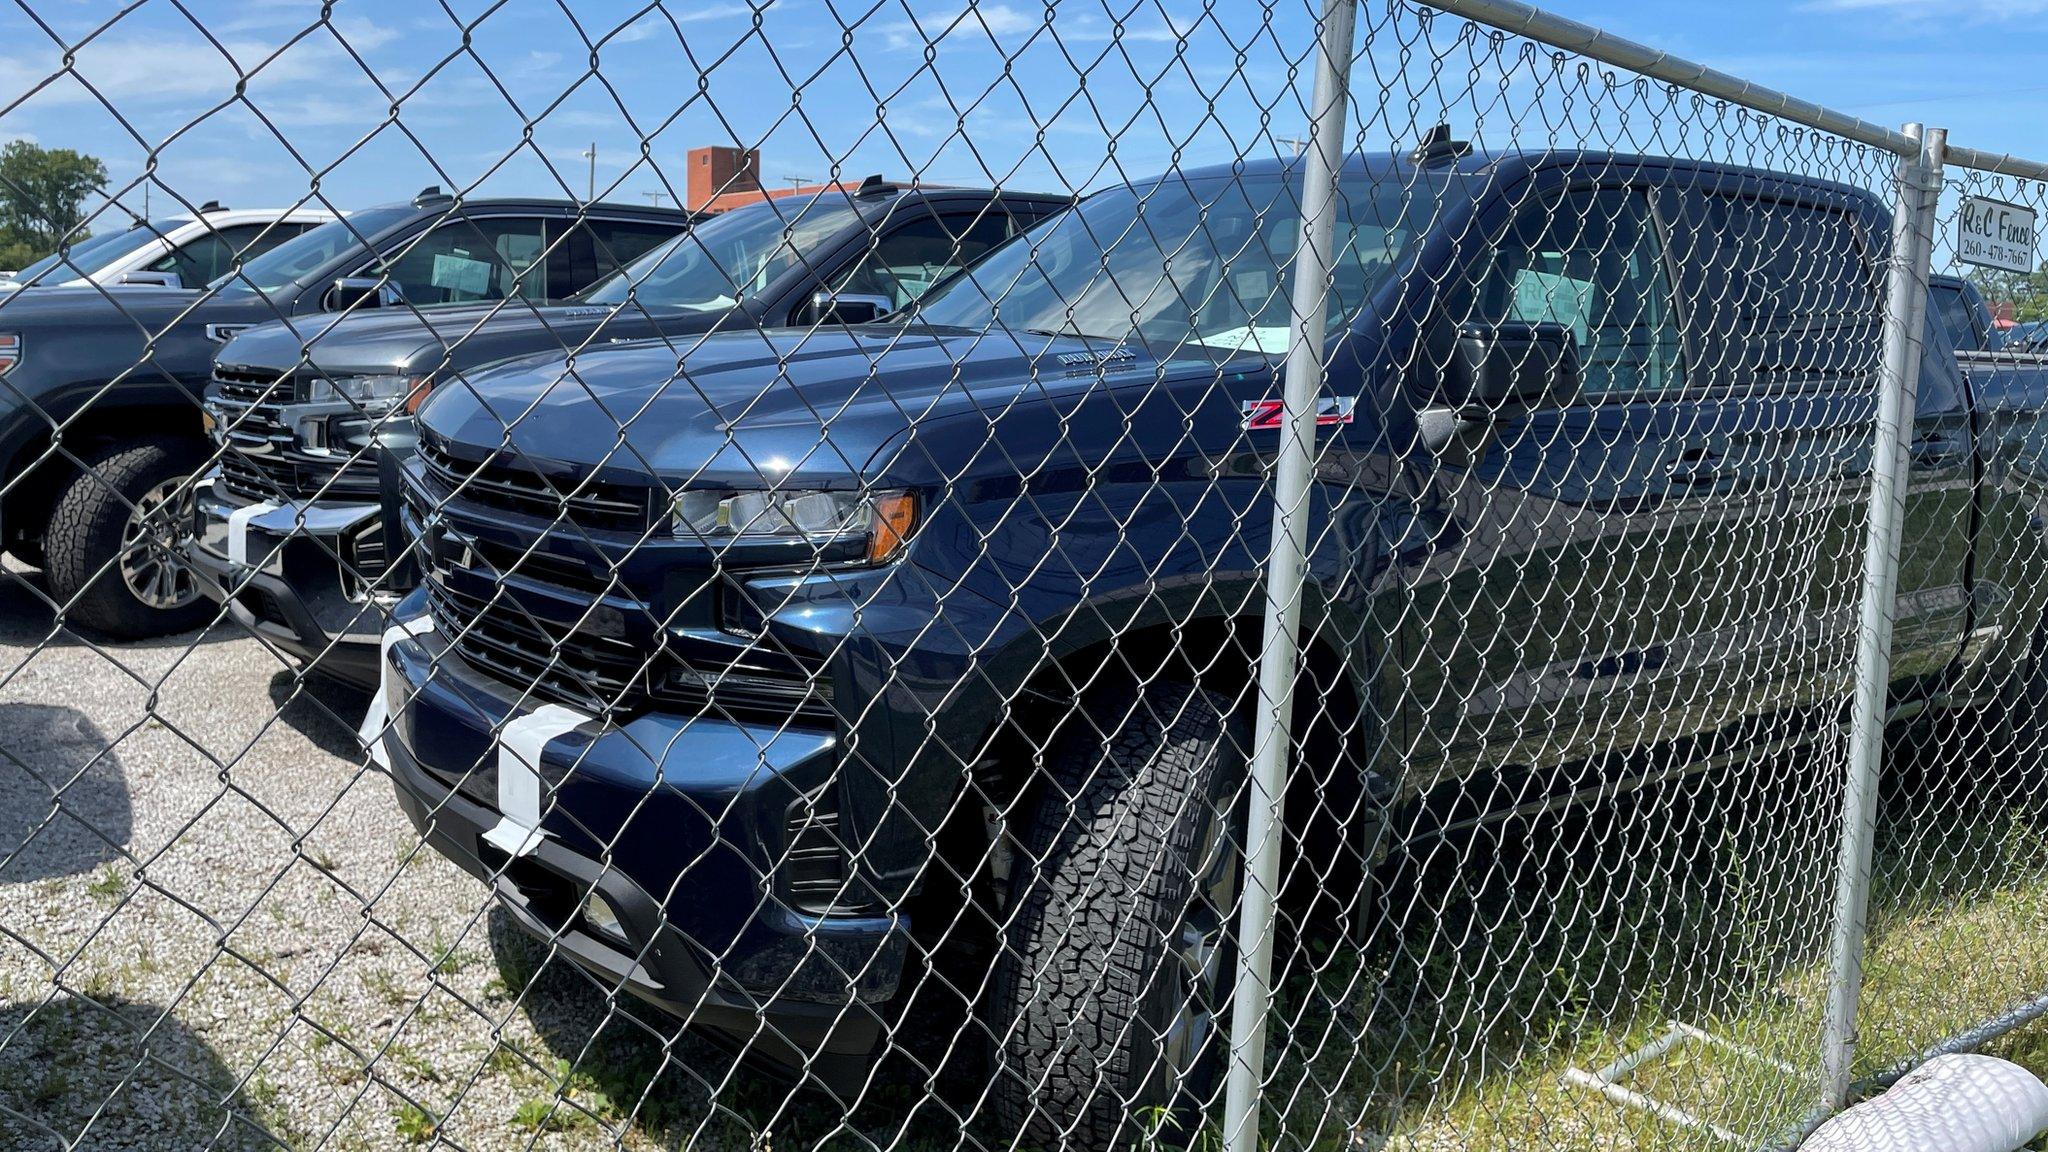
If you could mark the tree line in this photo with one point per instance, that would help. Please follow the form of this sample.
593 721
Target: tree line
2020 296
43 193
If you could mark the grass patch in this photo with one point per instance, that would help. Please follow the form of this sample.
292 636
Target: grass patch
107 885
413 1124
1568 942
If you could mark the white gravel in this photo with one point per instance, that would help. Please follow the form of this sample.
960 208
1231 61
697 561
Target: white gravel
217 930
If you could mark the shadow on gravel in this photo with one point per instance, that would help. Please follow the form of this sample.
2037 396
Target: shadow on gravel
324 711
109 1074
64 807
27 620
622 1065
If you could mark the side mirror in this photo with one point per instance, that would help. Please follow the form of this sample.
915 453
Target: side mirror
361 292
157 279
847 308
1513 364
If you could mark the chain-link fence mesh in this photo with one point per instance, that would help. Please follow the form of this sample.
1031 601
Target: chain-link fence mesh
543 671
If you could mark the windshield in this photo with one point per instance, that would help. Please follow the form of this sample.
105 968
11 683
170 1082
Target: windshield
94 252
721 261
289 263
1184 263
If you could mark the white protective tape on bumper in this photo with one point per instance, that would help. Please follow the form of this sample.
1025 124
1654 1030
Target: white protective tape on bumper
519 789
238 529
371 734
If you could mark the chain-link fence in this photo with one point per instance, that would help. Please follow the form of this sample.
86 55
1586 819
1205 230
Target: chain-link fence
1287 575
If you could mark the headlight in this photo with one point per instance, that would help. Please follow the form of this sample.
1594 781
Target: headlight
372 392
879 520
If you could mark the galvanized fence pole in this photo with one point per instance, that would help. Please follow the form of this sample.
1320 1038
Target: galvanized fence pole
1917 190
1280 644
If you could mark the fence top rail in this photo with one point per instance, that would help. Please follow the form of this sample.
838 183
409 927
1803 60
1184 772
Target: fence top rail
1998 163
1558 32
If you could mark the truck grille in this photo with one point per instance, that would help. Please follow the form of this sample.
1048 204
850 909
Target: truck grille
262 459
511 486
498 637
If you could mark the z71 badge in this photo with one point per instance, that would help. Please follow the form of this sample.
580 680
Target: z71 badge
1330 410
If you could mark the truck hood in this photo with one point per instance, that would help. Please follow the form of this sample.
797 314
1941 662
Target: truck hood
785 403
147 307
461 336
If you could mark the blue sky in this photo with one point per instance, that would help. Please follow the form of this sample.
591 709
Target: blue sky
1187 81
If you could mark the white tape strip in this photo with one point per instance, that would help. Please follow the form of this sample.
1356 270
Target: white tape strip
519 750
238 529
371 734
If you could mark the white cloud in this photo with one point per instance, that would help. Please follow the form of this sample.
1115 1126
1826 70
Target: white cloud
171 69
979 23
654 23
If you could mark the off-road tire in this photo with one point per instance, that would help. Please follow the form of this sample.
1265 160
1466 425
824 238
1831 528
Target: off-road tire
1139 799
84 539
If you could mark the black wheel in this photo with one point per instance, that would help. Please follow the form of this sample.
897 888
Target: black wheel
111 551
1108 996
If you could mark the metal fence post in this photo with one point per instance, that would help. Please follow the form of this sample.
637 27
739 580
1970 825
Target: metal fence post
1917 191
1280 644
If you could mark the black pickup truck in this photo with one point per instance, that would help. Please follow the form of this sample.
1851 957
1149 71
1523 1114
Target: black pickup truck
100 421
873 669
289 530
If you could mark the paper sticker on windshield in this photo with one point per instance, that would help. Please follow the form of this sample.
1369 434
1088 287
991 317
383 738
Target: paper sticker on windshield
1259 414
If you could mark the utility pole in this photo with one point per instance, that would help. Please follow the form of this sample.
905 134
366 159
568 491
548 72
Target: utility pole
1299 145
797 181
655 198
590 154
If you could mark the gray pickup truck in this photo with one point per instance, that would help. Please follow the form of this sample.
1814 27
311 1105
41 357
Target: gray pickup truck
289 531
100 422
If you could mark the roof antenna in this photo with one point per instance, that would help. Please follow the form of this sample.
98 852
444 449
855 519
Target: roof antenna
1437 146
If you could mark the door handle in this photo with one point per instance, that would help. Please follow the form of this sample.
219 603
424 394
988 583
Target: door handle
1696 468
1929 451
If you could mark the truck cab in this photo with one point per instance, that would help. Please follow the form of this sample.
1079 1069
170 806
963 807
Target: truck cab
742 699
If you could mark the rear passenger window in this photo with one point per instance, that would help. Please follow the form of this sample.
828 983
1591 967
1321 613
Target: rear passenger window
1592 263
1774 290
907 261
594 249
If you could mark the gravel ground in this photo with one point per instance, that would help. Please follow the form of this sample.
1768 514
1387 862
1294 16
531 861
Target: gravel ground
217 930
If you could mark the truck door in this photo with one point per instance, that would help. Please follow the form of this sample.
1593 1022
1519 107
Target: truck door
1780 297
1675 555
1566 619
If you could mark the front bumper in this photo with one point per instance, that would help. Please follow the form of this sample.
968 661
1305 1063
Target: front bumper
679 823
294 573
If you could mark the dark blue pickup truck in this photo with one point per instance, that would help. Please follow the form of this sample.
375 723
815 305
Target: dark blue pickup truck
290 529
843 670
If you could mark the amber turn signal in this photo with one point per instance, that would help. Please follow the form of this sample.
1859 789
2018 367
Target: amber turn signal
895 514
